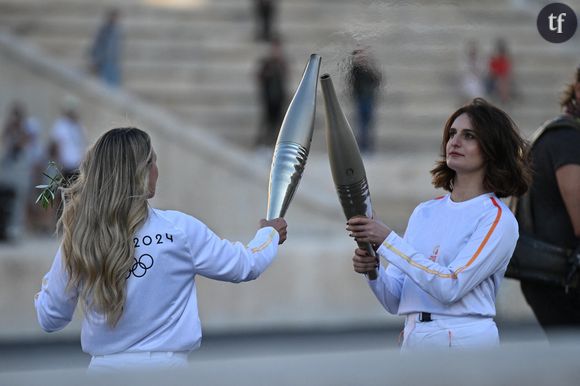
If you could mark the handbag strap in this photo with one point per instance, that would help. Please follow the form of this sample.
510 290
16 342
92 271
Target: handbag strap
574 269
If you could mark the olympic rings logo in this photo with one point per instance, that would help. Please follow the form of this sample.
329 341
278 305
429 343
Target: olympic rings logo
140 267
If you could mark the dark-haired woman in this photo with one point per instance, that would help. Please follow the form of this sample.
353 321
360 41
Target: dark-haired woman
133 267
444 274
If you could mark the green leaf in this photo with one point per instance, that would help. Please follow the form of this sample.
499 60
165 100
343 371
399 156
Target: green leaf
48 194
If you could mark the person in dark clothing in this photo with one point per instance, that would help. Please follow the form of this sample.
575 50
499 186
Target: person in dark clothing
364 80
265 11
271 78
18 150
555 203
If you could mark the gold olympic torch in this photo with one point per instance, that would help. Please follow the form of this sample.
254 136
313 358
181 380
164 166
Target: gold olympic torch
293 142
348 171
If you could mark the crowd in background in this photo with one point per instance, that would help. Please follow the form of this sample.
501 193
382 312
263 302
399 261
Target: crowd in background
24 156
27 148
492 77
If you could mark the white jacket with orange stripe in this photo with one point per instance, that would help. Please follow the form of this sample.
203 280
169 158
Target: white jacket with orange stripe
451 260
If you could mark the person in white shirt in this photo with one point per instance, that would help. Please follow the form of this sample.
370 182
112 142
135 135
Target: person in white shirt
133 267
68 139
444 274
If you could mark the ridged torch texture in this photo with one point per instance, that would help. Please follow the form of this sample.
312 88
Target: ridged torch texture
287 166
355 199
293 142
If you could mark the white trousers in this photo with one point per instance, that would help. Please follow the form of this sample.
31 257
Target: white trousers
449 332
137 360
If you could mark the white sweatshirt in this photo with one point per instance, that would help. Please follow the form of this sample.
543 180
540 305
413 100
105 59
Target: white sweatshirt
160 312
451 260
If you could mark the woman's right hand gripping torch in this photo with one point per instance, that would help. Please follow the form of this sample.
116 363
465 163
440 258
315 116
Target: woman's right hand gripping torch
346 163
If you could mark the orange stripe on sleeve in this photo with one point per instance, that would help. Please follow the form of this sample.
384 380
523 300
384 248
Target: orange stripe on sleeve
414 264
461 269
265 243
486 239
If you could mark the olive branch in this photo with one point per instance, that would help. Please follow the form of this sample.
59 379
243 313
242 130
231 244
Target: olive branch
49 191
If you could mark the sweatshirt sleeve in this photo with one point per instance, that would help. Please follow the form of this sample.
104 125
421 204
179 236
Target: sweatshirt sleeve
55 304
224 260
486 252
387 287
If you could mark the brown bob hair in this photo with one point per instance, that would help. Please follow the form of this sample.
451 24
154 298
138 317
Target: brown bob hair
505 152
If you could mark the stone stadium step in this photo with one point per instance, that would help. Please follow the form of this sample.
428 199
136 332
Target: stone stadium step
433 59
237 41
199 61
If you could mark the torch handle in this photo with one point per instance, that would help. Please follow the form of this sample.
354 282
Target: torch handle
372 275
355 199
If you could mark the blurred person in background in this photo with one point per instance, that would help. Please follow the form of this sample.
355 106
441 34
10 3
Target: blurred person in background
133 267
20 154
472 79
106 50
272 79
499 76
364 80
68 139
265 14
444 274
555 209
38 219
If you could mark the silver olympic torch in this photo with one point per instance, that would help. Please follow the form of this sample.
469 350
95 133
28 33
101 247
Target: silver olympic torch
348 171
293 142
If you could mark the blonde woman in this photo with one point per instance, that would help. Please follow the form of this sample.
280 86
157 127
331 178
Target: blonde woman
133 267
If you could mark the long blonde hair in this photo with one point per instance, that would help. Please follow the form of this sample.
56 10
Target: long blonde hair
103 208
